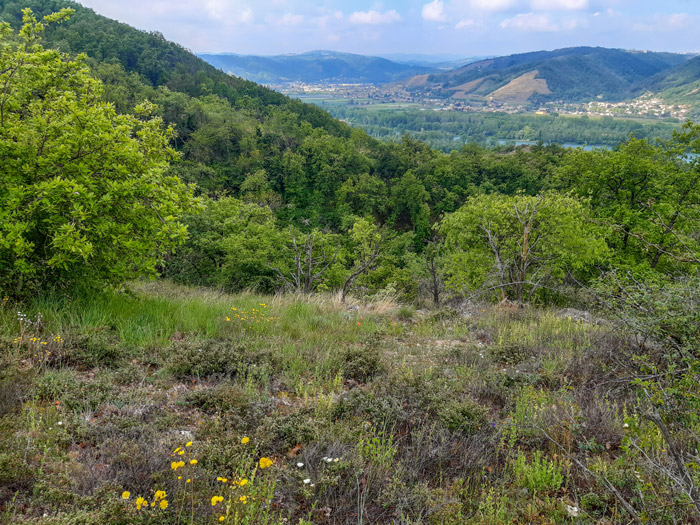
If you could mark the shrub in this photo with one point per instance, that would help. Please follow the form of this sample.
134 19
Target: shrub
188 359
464 416
362 362
79 202
539 475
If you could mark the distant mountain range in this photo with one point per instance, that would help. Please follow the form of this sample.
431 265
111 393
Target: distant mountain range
316 67
571 75
576 74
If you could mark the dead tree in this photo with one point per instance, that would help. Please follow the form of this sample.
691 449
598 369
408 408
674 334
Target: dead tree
435 282
309 264
366 262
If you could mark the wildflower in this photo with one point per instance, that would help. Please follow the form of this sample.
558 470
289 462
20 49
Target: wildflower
358 323
243 499
193 462
126 494
176 450
188 444
300 464
243 483
188 481
179 477
215 500
177 464
307 481
245 440
228 319
222 518
182 452
141 502
265 462
164 504
160 494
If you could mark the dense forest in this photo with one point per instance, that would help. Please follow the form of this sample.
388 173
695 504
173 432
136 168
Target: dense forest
451 130
336 329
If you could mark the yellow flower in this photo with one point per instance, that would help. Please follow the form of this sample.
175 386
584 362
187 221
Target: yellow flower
222 518
141 502
193 462
164 504
243 499
228 318
176 450
243 482
160 494
265 462
245 440
182 452
188 481
126 494
179 477
215 500
188 444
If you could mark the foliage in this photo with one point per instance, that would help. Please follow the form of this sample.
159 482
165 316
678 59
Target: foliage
648 194
539 475
452 130
84 192
517 244
231 245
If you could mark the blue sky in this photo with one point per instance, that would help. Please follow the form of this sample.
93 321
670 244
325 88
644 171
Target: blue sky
457 27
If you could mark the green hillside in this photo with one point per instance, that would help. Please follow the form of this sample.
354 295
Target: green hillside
158 62
572 75
322 328
315 67
680 84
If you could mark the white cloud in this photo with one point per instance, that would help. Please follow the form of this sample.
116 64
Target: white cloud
674 22
434 11
492 5
225 11
530 22
563 5
373 17
246 15
467 22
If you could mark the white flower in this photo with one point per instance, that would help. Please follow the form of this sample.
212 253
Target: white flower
336 460
60 422
625 425
300 464
307 481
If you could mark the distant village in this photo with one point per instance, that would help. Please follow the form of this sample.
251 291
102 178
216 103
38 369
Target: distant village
646 106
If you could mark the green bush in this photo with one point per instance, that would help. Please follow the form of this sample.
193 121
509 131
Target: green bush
539 475
79 202
362 362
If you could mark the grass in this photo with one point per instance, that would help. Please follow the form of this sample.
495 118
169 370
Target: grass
369 412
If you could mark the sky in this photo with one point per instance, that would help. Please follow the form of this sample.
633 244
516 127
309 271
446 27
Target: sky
463 28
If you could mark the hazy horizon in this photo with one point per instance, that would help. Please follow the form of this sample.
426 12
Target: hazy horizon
456 27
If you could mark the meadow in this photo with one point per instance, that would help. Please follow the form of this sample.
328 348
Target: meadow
149 405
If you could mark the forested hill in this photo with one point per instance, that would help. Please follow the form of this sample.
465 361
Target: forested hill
571 74
314 67
157 61
680 84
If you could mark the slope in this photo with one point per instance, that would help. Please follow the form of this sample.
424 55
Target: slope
314 67
156 60
680 84
571 74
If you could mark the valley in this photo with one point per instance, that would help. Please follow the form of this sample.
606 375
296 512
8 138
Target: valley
414 290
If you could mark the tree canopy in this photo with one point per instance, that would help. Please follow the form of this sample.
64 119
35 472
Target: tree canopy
84 194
